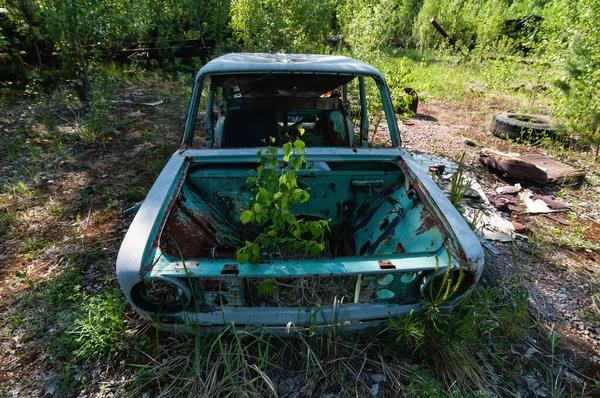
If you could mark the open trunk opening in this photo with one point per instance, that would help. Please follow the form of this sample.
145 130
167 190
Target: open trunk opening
371 209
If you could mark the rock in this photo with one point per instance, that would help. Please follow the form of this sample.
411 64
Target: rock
375 389
285 387
378 377
572 378
519 228
510 189
530 352
51 386
474 143
536 387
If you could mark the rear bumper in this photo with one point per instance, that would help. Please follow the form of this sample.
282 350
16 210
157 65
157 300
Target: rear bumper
287 321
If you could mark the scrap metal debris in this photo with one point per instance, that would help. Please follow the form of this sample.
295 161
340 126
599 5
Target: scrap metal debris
480 212
426 161
533 167
541 204
155 103
494 216
509 189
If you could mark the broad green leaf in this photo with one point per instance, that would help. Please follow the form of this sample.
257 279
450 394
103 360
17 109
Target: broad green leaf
301 131
299 145
242 256
316 231
296 163
315 250
246 216
266 287
287 151
291 179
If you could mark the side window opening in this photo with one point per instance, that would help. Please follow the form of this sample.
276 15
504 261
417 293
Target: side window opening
199 140
379 133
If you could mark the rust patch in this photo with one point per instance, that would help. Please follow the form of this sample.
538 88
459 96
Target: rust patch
225 201
171 204
186 236
400 248
458 253
427 223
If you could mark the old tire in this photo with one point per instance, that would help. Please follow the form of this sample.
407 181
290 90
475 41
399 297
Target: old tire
521 126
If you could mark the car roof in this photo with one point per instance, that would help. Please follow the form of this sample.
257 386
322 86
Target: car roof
236 63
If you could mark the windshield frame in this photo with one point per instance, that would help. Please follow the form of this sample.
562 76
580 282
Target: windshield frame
200 87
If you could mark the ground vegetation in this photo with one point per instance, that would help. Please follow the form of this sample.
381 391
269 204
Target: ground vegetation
83 136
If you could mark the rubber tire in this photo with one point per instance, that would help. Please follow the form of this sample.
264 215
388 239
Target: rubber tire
511 125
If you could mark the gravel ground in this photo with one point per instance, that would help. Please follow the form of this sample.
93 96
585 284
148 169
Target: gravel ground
563 283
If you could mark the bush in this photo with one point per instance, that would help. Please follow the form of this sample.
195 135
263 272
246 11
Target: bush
367 24
579 110
277 25
485 25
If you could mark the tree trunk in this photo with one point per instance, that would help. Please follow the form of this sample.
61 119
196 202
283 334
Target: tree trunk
39 56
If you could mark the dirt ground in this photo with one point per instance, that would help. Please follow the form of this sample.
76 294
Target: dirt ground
53 209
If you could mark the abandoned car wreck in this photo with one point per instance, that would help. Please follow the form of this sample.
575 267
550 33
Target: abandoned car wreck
393 237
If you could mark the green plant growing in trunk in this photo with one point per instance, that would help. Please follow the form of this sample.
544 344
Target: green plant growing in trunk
275 191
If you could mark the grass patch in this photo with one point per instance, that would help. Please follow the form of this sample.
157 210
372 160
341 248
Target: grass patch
460 353
99 328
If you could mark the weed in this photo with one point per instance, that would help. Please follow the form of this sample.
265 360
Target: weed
135 193
458 184
34 246
13 146
19 189
58 145
112 202
99 328
7 220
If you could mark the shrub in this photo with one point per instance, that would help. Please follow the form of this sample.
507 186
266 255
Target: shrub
579 107
367 24
277 25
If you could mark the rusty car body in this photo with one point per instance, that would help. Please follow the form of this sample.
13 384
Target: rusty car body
393 233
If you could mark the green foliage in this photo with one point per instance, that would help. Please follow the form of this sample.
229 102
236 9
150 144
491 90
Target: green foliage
399 77
367 24
82 32
278 25
458 184
457 341
99 328
484 25
579 105
275 191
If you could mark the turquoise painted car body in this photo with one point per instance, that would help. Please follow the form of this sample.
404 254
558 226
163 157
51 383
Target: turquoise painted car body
393 232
